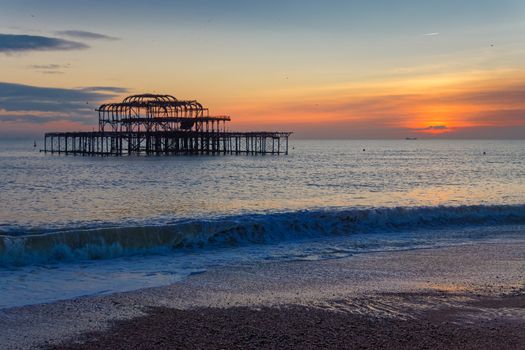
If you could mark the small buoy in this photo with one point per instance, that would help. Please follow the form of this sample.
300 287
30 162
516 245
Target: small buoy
363 149
484 153
34 143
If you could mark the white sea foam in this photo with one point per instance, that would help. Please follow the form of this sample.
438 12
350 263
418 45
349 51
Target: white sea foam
111 242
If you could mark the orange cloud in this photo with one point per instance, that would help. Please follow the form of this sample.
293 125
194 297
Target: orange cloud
434 107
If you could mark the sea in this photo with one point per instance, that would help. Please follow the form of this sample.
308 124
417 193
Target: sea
73 226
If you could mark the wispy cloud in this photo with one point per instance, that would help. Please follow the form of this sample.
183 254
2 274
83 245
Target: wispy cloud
111 89
38 118
431 34
51 72
13 43
509 116
433 128
81 34
47 66
50 68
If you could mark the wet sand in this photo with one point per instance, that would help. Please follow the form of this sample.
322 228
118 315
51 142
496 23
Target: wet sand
469 296
301 327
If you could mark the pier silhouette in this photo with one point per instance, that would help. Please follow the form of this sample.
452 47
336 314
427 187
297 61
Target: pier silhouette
161 124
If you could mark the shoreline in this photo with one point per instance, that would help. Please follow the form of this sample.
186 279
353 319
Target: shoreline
365 288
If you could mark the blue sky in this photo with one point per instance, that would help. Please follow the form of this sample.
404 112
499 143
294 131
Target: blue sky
247 58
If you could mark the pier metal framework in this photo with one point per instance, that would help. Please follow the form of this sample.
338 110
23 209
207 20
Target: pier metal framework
161 124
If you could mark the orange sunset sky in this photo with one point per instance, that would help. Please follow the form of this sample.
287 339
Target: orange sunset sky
323 69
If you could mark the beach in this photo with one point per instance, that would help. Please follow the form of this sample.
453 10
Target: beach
466 296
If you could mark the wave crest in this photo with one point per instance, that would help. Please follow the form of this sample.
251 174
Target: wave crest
105 243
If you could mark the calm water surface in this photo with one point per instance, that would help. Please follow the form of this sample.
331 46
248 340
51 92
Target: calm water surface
41 191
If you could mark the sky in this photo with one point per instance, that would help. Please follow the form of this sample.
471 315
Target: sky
322 69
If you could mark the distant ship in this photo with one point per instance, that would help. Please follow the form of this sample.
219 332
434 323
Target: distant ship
411 138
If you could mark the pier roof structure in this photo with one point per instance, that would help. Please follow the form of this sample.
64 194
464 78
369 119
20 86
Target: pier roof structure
157 113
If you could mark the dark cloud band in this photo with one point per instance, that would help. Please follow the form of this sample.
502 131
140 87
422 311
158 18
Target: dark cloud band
433 127
11 43
35 104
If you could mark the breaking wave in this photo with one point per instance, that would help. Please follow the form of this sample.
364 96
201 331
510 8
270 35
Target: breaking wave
112 242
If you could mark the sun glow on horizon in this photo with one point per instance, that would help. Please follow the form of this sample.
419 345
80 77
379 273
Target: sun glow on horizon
451 106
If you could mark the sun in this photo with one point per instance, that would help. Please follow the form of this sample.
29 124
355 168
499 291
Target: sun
435 128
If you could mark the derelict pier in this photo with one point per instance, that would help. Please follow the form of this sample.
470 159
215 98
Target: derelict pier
161 124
